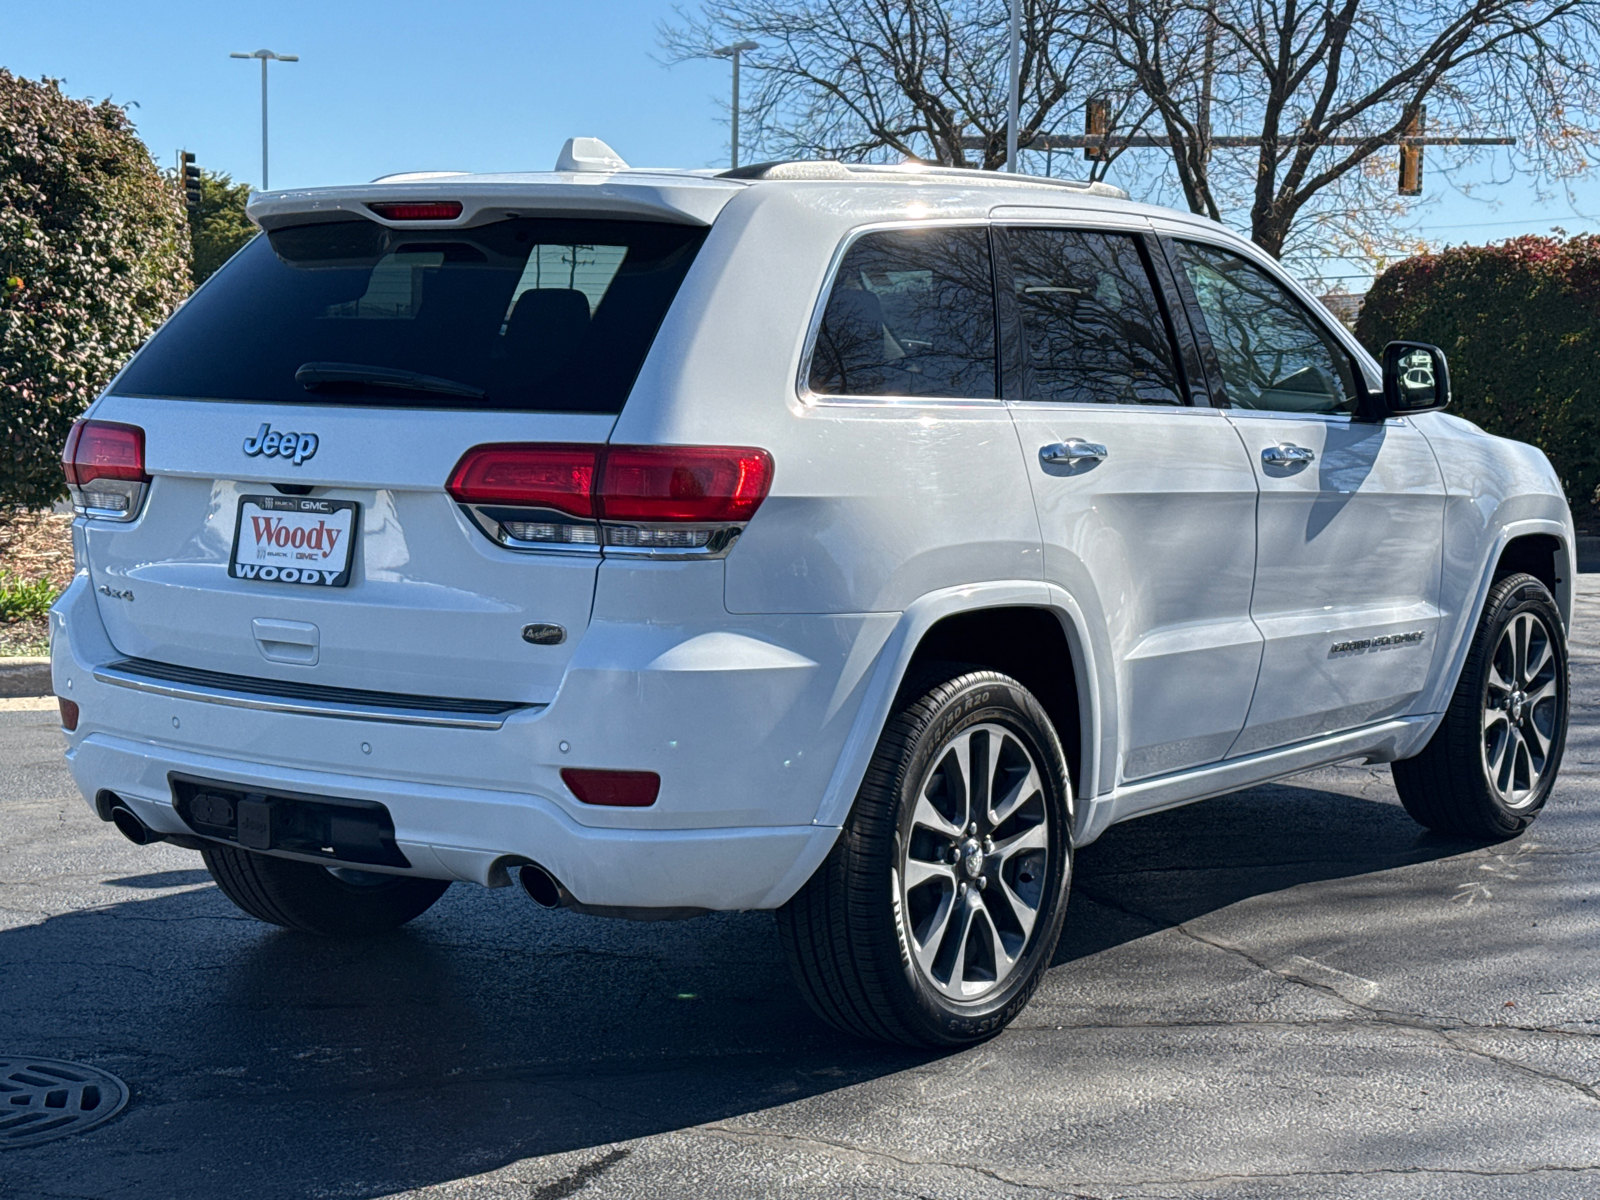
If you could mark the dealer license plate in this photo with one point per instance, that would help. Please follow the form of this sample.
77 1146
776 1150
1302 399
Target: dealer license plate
294 539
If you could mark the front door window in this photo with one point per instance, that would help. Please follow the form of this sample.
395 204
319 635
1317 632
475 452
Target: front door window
1273 355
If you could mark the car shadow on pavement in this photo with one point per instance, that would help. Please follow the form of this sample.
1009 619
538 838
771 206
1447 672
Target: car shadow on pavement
1163 870
265 1064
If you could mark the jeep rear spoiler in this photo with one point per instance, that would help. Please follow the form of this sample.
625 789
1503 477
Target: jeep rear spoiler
640 195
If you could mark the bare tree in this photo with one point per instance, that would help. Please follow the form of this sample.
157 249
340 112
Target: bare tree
1324 89
870 79
1277 116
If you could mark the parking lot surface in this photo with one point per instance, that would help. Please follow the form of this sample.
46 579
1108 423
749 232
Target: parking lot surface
1292 991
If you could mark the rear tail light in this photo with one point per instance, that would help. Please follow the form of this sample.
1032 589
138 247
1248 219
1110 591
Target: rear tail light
641 499
655 484
431 210
104 465
69 714
556 477
618 789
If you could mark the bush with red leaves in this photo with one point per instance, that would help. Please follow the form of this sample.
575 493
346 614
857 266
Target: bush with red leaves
1520 323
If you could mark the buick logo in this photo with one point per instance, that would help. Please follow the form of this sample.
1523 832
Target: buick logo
297 447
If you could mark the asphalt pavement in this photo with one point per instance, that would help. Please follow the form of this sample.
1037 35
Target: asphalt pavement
1292 991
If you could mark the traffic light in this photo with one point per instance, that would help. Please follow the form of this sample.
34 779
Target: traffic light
1096 121
191 183
1411 156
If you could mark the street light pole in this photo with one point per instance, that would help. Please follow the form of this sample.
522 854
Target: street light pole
1014 100
733 52
265 56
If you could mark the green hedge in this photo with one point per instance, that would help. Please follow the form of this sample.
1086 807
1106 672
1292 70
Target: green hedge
221 227
1520 322
94 253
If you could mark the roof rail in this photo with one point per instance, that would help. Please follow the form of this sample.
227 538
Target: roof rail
912 168
825 168
790 168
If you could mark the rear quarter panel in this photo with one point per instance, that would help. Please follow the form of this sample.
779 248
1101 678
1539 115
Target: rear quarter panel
872 504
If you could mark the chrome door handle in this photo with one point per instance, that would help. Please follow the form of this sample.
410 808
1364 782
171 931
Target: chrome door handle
1286 454
1071 452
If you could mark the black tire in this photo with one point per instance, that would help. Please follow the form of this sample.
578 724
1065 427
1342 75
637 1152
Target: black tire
1488 769
312 899
866 949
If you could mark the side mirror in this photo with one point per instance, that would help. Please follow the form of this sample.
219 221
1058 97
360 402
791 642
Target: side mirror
1416 379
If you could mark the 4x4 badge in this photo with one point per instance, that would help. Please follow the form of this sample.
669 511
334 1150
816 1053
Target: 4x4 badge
297 447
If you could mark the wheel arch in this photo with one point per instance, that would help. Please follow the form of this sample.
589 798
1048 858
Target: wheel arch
1546 557
1027 643
999 626
1541 546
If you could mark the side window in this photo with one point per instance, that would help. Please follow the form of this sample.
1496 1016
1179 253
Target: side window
911 314
1093 330
1273 354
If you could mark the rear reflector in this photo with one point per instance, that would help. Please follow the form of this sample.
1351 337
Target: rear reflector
619 789
639 485
435 210
104 450
69 714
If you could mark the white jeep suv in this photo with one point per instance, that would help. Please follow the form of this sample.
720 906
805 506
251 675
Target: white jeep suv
852 542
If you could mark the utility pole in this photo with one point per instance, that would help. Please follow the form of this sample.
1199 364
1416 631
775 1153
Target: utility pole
1208 74
1014 99
265 56
733 52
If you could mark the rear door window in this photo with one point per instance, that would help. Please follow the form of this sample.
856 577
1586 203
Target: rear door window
911 313
527 314
1093 329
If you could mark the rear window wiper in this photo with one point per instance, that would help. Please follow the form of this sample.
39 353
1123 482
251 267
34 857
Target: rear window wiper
315 375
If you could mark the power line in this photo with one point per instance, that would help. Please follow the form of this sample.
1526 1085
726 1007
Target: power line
1485 224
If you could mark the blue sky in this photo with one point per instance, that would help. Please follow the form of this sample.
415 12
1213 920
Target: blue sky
478 85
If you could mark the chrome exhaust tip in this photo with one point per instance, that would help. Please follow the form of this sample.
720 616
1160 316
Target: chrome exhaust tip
540 885
131 827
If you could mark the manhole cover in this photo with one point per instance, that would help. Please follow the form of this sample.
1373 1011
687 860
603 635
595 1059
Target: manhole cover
42 1099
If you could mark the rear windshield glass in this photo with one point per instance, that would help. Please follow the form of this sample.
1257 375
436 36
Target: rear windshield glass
529 314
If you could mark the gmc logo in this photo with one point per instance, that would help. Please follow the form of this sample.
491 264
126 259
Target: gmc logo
297 447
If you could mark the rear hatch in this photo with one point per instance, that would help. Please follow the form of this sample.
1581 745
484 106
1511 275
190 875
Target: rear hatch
303 411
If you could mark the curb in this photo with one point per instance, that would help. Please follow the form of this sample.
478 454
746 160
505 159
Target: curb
25 676
1588 549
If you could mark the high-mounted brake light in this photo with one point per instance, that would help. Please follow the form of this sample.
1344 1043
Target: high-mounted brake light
431 210
104 465
693 499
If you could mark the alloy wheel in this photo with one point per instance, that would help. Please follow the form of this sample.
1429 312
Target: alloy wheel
1521 709
973 862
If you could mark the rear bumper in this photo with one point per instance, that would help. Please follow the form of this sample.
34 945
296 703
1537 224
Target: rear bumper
473 835
743 720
